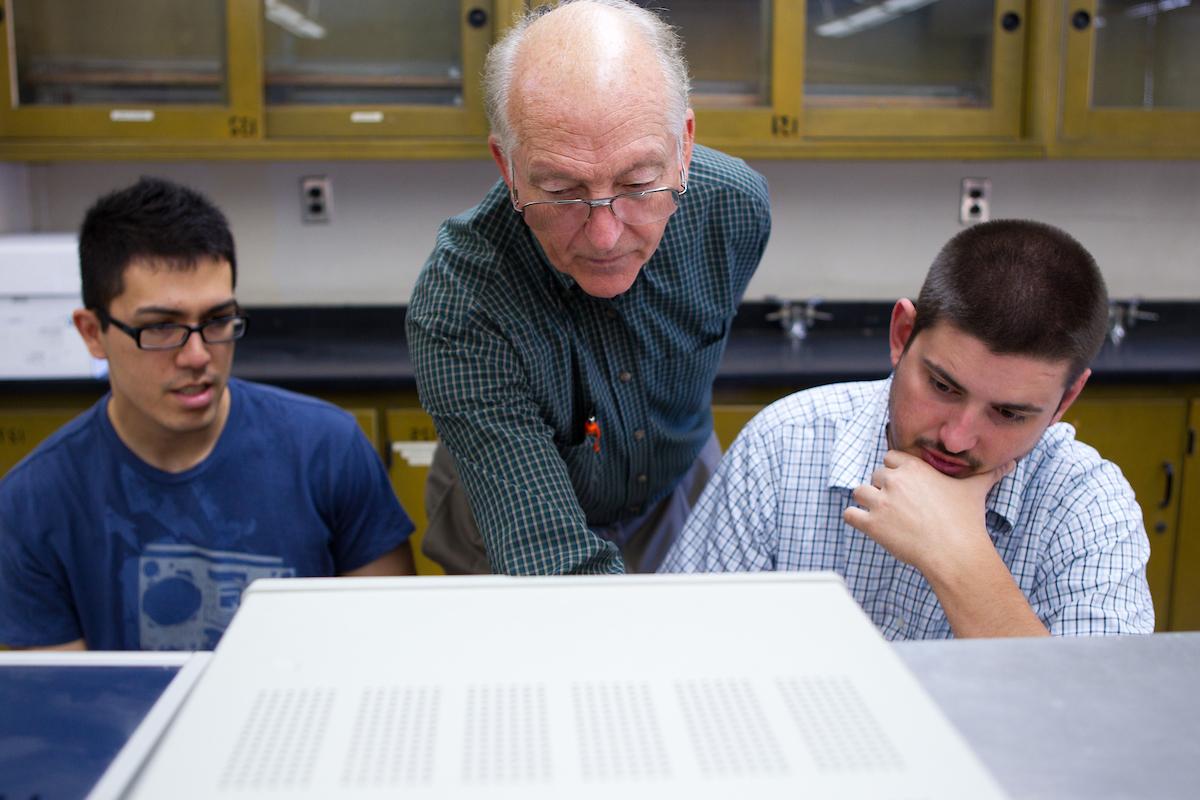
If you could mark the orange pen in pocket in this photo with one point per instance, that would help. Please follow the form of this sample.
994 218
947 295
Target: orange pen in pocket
591 430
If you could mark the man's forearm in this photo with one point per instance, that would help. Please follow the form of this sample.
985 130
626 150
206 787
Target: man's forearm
981 599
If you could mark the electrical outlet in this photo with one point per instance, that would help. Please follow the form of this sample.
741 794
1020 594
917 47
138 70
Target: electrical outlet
316 199
975 203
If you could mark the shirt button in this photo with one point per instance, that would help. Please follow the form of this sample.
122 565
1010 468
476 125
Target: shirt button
633 509
642 478
611 313
625 376
639 434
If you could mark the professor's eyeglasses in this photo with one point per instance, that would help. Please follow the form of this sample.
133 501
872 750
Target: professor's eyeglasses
632 208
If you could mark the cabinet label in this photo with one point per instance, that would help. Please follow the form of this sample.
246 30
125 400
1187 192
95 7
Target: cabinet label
242 126
131 115
784 125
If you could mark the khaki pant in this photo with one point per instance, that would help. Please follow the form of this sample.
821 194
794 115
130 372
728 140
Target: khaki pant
452 538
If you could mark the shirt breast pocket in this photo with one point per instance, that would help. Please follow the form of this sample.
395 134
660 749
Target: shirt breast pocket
687 376
582 468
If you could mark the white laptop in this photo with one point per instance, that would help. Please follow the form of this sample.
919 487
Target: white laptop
771 685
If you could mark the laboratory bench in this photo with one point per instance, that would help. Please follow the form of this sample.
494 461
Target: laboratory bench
1051 719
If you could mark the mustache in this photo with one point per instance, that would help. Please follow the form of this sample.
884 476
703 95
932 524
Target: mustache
940 448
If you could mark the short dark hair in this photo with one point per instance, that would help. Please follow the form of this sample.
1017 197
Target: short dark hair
1022 288
156 220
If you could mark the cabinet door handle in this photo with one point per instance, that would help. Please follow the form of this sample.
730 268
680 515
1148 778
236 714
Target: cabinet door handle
1169 469
1080 20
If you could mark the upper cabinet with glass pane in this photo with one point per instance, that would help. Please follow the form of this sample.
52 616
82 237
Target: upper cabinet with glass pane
126 68
745 68
744 65
375 67
914 68
1132 76
770 78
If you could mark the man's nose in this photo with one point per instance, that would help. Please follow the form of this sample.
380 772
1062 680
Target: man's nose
194 353
960 433
603 228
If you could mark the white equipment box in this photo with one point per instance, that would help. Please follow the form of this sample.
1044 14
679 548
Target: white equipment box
771 685
39 288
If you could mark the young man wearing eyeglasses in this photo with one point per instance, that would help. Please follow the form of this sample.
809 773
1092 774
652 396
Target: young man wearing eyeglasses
138 525
566 331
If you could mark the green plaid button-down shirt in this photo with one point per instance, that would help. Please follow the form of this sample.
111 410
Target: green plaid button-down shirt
512 358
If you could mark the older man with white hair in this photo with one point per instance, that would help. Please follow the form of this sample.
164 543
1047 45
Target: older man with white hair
566 331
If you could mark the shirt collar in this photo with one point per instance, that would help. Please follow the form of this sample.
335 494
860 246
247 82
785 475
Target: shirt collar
861 443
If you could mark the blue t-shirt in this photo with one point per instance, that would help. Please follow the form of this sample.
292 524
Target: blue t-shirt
96 544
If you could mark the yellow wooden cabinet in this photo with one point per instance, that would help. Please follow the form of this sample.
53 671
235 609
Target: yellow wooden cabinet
1116 78
925 70
368 420
411 438
1185 596
130 70
376 68
728 421
21 429
1146 438
180 79
745 60
283 79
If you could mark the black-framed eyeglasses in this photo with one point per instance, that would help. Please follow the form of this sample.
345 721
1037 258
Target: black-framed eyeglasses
633 208
173 335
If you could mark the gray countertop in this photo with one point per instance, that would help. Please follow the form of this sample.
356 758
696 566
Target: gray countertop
752 358
355 348
1073 717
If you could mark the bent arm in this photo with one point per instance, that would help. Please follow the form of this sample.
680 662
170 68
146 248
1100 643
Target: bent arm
397 562
981 599
733 526
77 645
474 386
1095 578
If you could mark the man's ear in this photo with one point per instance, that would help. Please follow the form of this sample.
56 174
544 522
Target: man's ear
88 325
1072 392
689 139
904 317
501 160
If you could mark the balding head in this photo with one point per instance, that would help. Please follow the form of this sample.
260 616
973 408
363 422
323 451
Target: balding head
583 55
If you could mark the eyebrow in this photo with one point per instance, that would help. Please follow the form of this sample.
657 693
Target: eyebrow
553 175
230 304
1027 408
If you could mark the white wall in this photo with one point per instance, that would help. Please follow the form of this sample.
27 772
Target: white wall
15 198
843 230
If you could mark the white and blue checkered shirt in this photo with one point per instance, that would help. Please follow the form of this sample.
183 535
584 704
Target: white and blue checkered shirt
1065 521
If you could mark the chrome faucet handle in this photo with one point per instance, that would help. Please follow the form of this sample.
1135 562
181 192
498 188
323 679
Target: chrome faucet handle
785 311
1116 322
811 314
791 316
1117 333
1123 316
797 316
1133 313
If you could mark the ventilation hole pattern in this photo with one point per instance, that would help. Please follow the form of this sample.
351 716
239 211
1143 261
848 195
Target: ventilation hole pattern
618 732
506 735
728 729
841 732
279 740
394 737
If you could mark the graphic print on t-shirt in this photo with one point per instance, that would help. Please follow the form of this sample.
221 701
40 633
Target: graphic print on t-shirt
187 595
